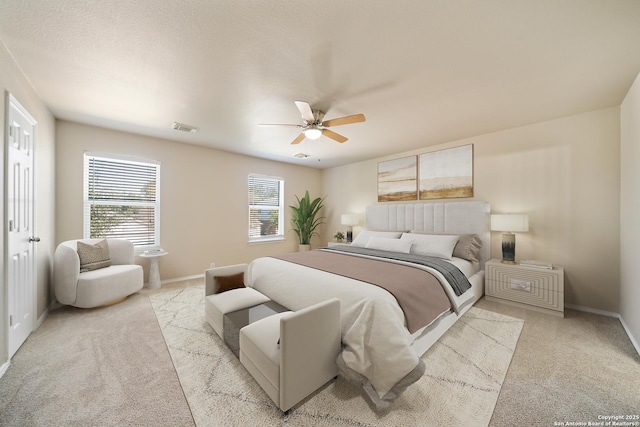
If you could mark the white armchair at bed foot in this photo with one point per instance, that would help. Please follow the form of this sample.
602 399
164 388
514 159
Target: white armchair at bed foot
97 287
304 359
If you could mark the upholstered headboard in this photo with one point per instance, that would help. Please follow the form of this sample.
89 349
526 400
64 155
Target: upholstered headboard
439 217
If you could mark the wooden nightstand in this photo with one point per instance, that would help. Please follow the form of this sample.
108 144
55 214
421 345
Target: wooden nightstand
529 287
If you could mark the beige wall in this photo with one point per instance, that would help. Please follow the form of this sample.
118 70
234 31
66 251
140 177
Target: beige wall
630 206
12 80
203 196
564 173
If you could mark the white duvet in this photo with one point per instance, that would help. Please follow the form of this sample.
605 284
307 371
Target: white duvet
377 342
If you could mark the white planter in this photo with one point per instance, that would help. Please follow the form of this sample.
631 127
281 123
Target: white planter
304 248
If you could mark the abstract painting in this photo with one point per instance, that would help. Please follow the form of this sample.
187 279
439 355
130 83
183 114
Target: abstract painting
398 179
447 173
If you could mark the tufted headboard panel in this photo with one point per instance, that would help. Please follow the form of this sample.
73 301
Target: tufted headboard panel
471 217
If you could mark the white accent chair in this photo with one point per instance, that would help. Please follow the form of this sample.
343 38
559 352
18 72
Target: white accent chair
217 305
97 287
292 354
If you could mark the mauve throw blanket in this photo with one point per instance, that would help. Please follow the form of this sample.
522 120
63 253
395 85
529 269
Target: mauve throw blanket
418 292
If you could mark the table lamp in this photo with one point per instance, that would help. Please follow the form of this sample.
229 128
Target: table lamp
349 220
509 223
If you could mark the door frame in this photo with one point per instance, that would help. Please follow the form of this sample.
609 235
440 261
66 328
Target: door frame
4 288
9 101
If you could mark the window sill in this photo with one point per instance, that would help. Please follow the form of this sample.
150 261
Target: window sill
267 240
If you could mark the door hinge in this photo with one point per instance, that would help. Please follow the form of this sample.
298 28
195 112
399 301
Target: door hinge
11 320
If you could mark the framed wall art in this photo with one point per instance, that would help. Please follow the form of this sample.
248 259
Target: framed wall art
446 174
398 179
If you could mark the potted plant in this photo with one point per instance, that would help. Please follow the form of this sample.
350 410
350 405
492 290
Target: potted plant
304 219
339 236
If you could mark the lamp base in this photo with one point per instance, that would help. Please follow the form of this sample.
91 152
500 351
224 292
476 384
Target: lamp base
509 248
349 234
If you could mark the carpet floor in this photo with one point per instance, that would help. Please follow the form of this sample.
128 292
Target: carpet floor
465 371
107 366
111 367
567 370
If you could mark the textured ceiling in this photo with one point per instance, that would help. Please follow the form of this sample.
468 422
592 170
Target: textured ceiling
423 72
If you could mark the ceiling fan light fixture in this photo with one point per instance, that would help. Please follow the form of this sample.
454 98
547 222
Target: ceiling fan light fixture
313 133
313 126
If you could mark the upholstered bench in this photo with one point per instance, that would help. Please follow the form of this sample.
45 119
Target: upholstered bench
292 354
234 321
217 304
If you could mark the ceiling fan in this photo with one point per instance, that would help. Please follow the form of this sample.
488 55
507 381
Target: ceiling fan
313 127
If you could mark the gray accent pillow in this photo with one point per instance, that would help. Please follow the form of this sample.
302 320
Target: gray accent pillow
468 246
93 257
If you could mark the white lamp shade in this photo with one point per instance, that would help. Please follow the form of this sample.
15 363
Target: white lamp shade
518 223
349 219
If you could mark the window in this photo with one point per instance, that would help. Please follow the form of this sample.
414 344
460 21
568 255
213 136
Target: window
266 208
121 200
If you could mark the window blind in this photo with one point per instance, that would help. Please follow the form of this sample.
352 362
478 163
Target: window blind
266 216
121 200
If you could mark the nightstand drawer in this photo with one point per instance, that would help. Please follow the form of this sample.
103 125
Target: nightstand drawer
534 287
531 294
519 277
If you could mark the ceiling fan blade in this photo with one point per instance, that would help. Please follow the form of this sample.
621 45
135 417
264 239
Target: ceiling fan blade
280 124
305 110
334 136
356 118
298 140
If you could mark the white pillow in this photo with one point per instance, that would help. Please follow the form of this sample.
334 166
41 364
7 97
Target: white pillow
363 237
386 244
431 244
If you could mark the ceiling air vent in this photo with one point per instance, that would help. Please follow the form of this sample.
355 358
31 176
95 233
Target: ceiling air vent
184 128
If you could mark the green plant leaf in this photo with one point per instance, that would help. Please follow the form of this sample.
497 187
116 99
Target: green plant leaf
304 219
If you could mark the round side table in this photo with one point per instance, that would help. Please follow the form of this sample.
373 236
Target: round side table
154 270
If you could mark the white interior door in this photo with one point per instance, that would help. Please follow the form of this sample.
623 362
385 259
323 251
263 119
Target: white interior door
20 262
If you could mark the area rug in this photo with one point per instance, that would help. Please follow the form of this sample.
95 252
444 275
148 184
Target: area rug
465 371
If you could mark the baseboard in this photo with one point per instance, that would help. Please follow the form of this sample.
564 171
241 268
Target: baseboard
41 319
44 315
181 279
592 310
3 368
633 341
609 314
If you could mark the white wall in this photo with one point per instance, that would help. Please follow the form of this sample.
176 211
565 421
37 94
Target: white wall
564 173
203 196
629 209
12 80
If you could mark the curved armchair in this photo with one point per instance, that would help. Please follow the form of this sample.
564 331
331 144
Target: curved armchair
96 287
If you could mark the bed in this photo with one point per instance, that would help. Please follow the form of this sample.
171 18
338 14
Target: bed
382 342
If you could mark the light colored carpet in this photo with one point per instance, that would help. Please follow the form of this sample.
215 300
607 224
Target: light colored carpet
465 371
94 367
571 369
